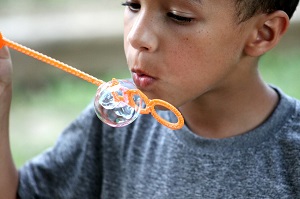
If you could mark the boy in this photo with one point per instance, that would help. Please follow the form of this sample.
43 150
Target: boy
241 138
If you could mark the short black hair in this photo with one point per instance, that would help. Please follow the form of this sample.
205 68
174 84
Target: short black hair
248 8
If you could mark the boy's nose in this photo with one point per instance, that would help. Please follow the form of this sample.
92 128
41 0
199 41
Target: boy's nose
142 35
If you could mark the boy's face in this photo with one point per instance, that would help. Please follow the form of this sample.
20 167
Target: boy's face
178 50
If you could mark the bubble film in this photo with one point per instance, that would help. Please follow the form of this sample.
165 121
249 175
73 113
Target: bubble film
112 103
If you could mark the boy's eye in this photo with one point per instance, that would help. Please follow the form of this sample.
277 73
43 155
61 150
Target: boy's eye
134 7
179 18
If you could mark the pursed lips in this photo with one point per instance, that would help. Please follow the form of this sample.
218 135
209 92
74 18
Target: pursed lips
141 79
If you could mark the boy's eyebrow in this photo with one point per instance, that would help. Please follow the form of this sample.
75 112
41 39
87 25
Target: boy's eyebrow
199 2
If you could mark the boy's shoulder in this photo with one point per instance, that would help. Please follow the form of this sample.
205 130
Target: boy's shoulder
289 109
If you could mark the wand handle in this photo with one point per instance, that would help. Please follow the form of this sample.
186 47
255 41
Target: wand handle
49 60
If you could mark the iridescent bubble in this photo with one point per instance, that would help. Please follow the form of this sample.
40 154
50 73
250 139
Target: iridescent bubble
115 112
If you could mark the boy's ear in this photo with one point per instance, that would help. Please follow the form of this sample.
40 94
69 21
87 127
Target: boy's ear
267 33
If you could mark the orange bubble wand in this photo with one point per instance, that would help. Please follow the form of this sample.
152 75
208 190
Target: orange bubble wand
149 104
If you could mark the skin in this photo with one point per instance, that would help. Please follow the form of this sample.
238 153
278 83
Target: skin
8 174
207 66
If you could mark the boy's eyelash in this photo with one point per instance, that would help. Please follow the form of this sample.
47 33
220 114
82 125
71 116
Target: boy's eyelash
179 18
136 7
132 6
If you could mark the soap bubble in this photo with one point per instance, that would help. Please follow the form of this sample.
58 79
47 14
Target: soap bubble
116 113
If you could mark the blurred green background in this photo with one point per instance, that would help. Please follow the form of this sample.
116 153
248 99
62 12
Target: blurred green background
87 35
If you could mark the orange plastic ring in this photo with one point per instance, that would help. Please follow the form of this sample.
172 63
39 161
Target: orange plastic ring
146 100
158 102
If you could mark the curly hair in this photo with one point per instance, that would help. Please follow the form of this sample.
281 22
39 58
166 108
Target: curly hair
248 8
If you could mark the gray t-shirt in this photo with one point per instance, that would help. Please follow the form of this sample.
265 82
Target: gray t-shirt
146 160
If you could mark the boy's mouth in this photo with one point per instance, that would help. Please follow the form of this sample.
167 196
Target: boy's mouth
141 79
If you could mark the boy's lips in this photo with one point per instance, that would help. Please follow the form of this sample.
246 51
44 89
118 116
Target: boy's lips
142 80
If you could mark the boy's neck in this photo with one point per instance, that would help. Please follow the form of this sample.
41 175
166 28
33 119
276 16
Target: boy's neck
229 113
